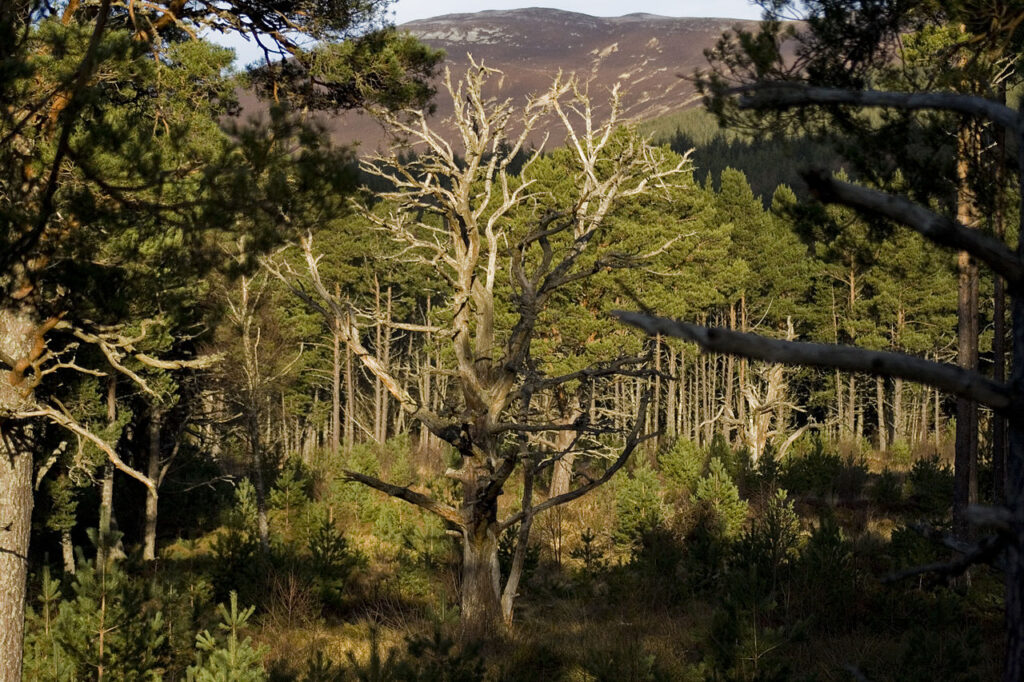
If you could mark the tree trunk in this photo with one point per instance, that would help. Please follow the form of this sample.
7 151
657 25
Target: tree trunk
17 340
259 483
67 551
898 416
336 391
153 472
109 547
880 412
729 381
350 401
656 412
851 407
561 475
16 516
671 394
481 616
965 461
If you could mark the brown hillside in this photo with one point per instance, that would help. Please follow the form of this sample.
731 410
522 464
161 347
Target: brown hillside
643 51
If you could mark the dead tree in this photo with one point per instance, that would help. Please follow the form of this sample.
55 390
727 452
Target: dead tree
501 244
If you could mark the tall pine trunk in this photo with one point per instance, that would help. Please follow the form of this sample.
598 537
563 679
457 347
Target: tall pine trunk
966 457
880 413
17 340
16 514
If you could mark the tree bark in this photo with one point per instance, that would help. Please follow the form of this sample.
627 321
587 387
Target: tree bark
15 524
880 413
350 401
965 459
671 420
109 547
898 415
481 598
67 551
259 483
153 472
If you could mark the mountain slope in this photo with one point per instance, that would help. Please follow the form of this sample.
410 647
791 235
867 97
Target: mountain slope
646 53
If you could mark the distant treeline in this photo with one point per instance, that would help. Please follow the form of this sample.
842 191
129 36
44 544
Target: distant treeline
766 161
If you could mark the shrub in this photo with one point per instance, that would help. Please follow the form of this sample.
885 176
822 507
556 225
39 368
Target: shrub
682 466
827 575
242 514
931 487
899 453
227 658
638 506
772 543
815 473
589 552
852 479
111 622
886 492
718 501
426 659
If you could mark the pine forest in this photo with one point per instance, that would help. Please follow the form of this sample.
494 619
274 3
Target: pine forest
535 389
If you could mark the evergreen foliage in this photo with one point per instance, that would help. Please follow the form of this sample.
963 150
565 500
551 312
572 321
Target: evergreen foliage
226 656
718 500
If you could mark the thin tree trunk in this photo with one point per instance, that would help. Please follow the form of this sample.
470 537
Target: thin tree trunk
999 316
67 551
336 384
108 546
386 361
729 380
965 459
350 401
741 408
860 419
1013 669
671 394
378 386
656 412
880 413
898 416
153 472
259 483
851 408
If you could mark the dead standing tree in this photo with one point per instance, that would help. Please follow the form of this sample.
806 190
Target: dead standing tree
500 245
1005 398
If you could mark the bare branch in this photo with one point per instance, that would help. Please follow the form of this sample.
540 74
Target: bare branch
64 419
788 96
939 229
985 551
446 512
634 439
940 375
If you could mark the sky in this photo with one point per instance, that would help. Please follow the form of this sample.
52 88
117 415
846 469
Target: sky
410 10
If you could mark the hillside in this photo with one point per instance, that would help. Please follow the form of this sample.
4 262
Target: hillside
647 53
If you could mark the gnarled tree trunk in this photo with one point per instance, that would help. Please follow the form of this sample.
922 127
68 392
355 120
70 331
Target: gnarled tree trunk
481 580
